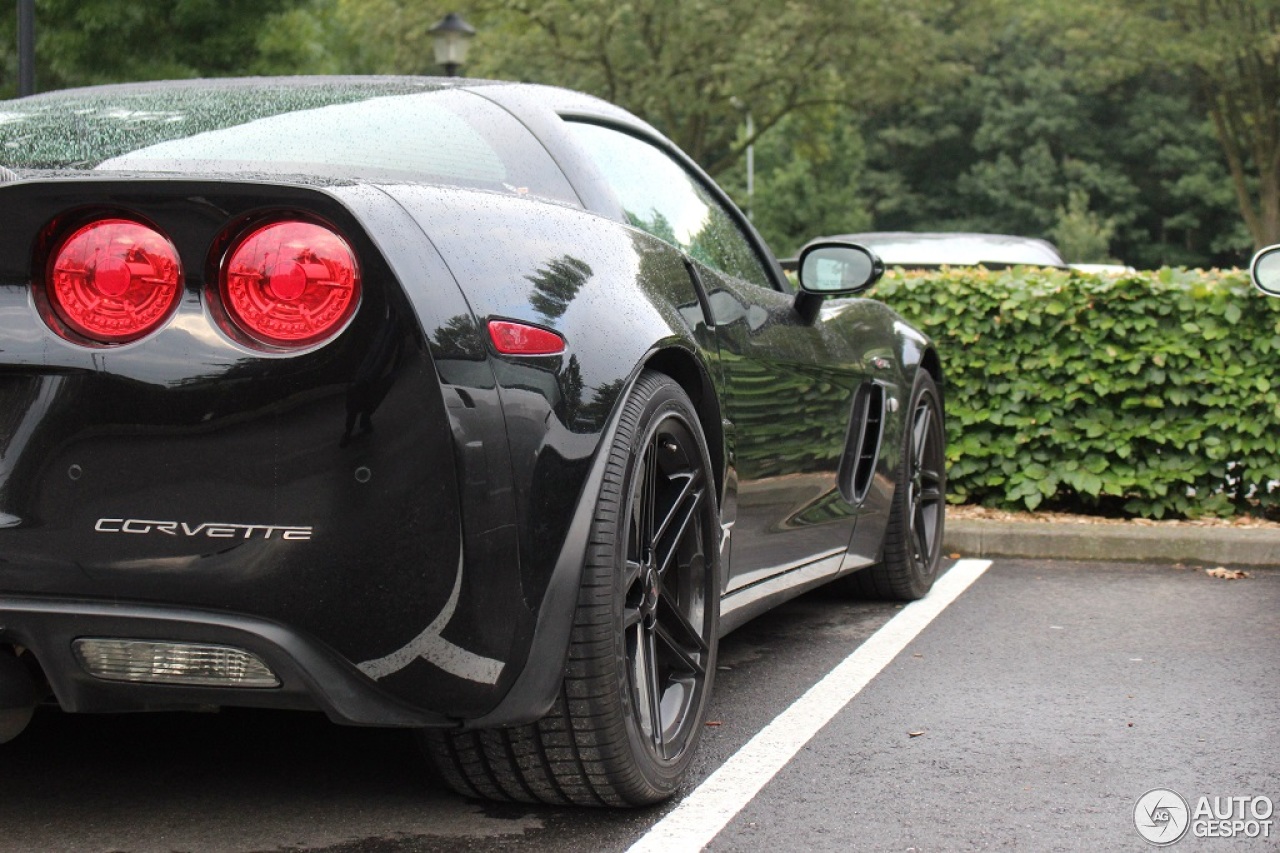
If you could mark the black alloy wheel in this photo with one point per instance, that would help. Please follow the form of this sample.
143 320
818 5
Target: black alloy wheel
917 516
642 651
665 611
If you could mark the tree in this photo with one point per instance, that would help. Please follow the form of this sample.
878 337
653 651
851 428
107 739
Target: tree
810 177
384 36
694 69
84 42
1082 236
1059 106
1003 152
1233 49
1228 52
936 114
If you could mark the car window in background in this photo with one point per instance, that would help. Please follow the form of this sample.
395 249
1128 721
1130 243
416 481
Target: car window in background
371 131
664 200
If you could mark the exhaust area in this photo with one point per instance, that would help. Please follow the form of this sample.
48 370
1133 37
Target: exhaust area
18 695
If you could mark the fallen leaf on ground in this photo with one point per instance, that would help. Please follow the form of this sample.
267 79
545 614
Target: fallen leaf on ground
914 734
1226 574
714 723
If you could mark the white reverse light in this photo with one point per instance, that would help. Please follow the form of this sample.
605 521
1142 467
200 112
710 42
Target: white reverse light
193 664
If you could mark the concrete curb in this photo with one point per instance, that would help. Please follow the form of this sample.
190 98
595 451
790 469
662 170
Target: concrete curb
1219 546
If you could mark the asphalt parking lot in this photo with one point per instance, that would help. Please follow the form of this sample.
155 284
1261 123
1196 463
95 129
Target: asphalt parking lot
1031 713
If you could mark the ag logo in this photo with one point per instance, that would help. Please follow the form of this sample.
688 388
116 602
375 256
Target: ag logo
1161 816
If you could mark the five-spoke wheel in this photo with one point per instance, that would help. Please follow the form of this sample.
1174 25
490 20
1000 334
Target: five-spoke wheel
913 539
667 600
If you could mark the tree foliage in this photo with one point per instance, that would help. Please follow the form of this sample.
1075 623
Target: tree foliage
1145 130
809 174
694 69
1081 235
84 42
1058 109
1226 54
1233 47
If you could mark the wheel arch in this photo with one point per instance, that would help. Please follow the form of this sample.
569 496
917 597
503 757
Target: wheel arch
932 363
692 375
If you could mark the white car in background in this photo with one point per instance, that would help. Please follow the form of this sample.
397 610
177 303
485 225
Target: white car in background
932 249
927 250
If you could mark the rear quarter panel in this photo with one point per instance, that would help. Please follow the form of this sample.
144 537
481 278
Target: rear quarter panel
615 295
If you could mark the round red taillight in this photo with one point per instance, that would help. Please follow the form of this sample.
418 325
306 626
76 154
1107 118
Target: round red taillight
290 283
114 280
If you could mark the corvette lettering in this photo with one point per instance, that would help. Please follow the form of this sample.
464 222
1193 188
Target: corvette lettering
207 529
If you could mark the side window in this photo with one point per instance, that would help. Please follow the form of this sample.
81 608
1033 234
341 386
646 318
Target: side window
660 197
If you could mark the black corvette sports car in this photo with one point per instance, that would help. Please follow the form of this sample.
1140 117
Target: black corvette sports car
464 406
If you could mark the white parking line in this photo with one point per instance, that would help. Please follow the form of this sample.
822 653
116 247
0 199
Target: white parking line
701 815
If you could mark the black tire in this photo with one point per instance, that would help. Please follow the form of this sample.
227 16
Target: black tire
917 515
644 637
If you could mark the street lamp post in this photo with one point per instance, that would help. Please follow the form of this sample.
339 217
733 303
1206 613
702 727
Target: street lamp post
451 36
751 165
751 154
26 48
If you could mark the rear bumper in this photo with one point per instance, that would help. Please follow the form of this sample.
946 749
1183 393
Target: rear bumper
312 676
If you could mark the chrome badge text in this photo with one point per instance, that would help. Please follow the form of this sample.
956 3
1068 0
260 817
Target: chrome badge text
207 529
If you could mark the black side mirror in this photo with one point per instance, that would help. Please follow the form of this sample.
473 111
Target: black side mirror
1265 270
838 269
833 268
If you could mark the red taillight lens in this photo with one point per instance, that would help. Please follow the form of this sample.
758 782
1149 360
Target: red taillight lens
114 280
512 338
290 283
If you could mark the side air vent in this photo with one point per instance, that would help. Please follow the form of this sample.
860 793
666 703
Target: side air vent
866 429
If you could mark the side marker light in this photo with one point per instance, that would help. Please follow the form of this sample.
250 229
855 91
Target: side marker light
512 338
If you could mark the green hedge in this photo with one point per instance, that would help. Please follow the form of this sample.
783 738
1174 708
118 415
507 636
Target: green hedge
1149 394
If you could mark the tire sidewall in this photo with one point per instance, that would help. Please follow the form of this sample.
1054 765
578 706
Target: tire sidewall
923 387
653 399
